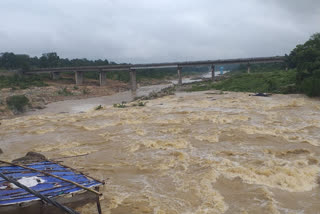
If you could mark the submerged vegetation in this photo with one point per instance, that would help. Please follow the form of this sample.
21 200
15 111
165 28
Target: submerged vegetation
99 107
139 103
120 105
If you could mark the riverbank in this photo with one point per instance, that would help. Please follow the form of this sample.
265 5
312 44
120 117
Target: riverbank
64 89
80 98
39 97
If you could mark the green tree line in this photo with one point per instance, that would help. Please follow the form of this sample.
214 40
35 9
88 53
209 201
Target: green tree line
305 58
47 60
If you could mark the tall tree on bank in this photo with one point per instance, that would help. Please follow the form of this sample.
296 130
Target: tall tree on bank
49 60
306 59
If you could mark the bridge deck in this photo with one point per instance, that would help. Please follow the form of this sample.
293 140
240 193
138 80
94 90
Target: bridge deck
162 65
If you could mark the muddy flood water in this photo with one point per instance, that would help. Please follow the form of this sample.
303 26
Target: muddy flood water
201 152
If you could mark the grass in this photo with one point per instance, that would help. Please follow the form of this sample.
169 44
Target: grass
271 82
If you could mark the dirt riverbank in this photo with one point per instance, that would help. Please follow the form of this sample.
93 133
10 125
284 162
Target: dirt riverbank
39 97
62 90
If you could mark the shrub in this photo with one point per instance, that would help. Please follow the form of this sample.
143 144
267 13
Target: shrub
85 91
17 102
65 92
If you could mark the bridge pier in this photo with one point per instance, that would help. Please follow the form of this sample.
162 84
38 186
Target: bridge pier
179 76
249 69
55 75
103 78
79 77
133 79
212 73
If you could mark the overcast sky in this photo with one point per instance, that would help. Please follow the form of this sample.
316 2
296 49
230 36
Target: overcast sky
139 31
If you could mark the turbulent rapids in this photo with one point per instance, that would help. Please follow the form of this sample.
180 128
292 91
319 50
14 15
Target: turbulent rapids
201 152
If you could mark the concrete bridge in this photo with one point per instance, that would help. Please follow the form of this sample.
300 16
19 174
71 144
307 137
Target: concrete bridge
133 67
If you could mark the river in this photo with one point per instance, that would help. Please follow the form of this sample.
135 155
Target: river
200 152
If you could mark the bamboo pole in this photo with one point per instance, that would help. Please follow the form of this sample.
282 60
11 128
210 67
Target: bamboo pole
48 174
78 171
75 156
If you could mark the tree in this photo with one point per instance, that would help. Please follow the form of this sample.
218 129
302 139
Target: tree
49 60
306 59
8 60
23 62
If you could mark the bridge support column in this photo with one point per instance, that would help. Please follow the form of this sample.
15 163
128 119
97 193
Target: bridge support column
79 77
133 80
179 76
249 69
55 75
103 78
212 73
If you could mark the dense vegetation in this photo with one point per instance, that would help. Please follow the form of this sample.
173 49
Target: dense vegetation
17 102
47 60
306 59
21 82
279 81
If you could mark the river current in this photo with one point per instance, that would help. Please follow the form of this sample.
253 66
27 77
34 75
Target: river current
201 152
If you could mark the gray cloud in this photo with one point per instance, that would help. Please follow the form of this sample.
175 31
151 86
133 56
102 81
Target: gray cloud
156 31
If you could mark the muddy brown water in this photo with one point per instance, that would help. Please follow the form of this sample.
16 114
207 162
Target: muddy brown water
199 152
